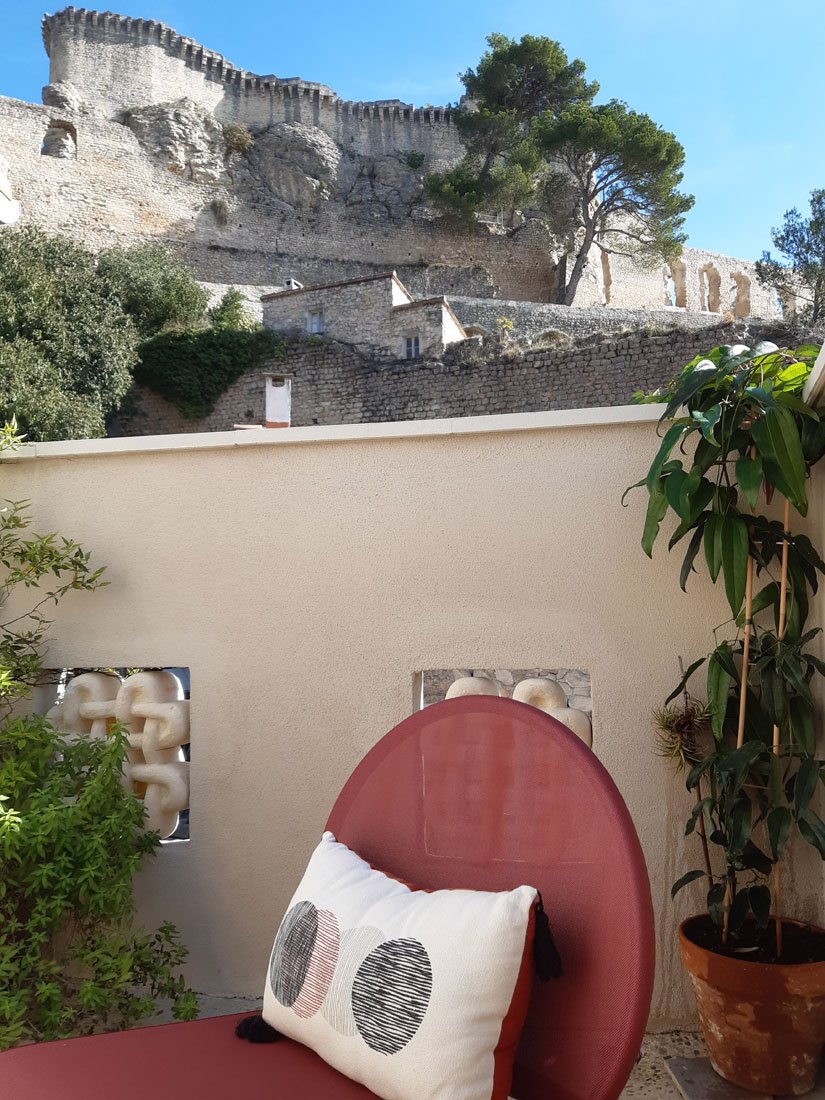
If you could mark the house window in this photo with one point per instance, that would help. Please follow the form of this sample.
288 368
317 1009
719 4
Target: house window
315 322
412 347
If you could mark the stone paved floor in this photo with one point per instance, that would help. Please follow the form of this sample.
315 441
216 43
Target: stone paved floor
649 1081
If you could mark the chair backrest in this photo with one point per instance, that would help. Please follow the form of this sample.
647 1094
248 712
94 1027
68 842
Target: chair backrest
489 794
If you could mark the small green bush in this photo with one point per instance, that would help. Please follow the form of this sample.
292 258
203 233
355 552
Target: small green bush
66 343
155 289
231 313
71 836
414 160
71 841
192 369
237 138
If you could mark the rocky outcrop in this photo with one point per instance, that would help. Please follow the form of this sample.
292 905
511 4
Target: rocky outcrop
184 137
63 95
297 164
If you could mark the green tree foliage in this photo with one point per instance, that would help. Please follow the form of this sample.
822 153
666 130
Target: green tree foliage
154 288
604 176
71 836
66 346
192 369
801 277
614 179
515 82
231 312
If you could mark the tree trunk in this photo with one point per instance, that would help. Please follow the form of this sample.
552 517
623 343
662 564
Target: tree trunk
578 267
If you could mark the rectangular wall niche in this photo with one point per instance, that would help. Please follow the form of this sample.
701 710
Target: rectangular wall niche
435 682
152 704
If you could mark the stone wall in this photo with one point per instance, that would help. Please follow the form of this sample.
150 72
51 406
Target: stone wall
328 190
376 315
334 384
253 220
120 63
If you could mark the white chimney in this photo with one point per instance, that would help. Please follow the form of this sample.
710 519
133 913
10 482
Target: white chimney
278 400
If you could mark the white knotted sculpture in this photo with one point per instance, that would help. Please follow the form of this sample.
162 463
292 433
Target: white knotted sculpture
549 696
149 707
472 685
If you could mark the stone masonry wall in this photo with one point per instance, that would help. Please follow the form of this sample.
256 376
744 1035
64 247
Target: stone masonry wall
237 222
328 191
333 384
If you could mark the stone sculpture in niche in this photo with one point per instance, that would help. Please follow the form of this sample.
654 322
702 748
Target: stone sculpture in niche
545 694
150 707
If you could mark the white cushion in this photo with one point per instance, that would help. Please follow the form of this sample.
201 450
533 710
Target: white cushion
402 989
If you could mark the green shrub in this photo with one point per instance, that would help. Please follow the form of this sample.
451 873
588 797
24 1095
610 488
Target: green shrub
231 313
71 841
414 160
154 288
71 836
237 138
192 369
65 340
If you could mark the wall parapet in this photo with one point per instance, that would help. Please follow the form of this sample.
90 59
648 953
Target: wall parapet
214 67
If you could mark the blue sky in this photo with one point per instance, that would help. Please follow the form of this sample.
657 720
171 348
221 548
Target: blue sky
736 80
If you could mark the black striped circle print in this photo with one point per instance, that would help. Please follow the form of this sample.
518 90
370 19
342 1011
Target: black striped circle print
292 952
391 993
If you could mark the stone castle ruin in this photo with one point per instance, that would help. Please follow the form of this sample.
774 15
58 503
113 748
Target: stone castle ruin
145 135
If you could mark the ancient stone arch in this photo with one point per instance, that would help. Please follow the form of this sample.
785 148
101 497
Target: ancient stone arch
710 285
60 140
740 294
675 284
607 279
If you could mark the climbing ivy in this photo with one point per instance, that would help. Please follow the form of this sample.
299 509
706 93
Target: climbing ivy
193 368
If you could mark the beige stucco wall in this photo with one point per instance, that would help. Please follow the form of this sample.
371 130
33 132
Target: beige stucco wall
306 575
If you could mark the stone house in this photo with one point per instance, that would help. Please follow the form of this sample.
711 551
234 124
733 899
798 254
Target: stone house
375 314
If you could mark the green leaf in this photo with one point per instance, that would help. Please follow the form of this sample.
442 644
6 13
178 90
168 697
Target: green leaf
707 421
759 899
656 508
690 557
690 383
796 404
754 859
674 482
765 597
749 475
776 785
713 544
681 685
719 685
671 437
740 826
685 880
734 559
696 813
779 829
806 780
803 730
777 437
813 830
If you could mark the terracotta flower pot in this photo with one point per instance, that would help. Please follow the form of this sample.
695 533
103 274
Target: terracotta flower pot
764 1023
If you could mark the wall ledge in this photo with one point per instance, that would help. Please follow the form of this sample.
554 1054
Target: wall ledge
611 416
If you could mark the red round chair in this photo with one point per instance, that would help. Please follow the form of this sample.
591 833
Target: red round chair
476 792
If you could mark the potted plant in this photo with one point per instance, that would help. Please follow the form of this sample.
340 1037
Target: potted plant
738 436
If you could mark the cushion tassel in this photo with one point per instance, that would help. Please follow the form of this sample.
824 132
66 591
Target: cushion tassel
255 1029
545 952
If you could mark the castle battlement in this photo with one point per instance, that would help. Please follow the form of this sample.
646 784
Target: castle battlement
227 87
